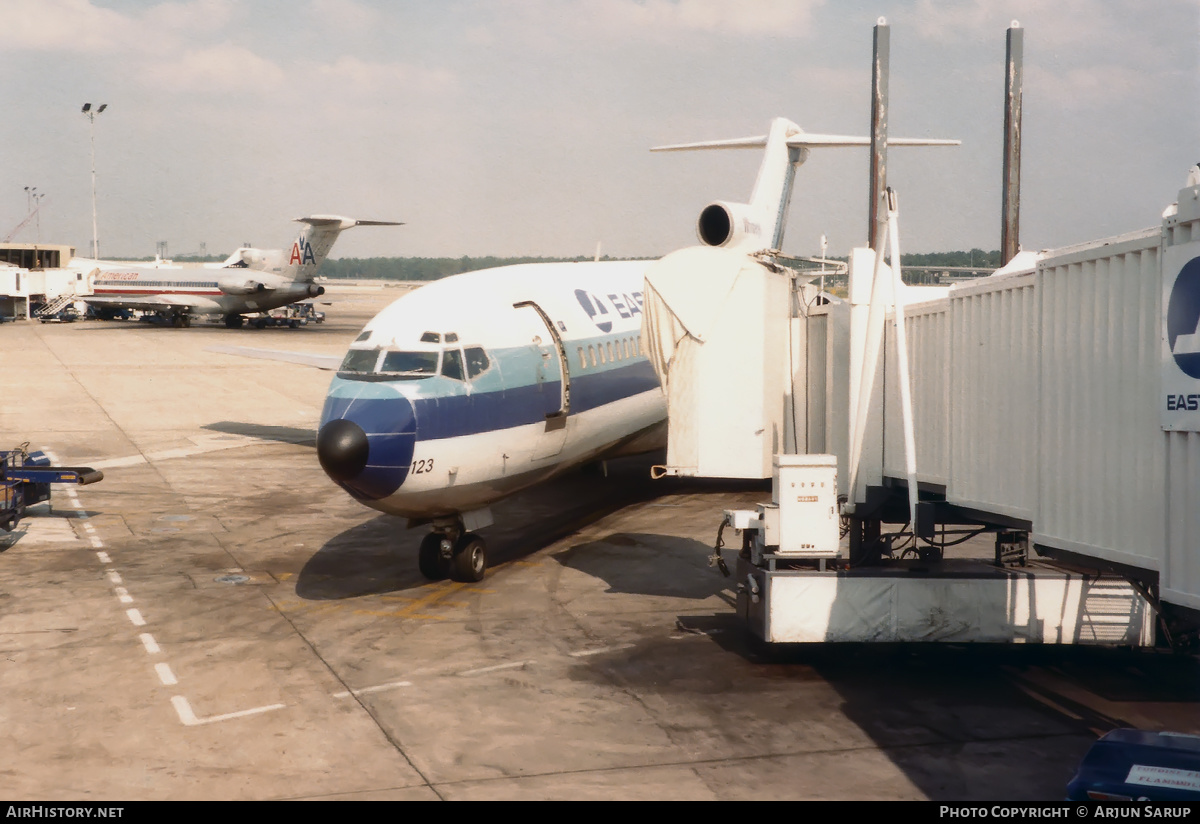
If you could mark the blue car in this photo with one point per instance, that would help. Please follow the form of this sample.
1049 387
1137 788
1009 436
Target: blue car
1138 765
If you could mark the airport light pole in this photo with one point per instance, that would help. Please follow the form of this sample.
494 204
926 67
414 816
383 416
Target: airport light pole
37 206
33 204
91 116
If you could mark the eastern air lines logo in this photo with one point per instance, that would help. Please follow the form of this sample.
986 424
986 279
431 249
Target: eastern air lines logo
302 252
1183 319
624 305
596 310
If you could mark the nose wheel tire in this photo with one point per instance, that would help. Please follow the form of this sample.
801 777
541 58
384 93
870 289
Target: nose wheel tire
470 559
429 559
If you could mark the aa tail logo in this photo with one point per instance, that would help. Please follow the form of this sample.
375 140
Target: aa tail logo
302 252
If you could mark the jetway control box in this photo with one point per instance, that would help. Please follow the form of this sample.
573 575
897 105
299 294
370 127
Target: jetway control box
802 521
804 492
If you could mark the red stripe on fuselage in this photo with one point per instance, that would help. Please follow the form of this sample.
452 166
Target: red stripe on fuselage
154 292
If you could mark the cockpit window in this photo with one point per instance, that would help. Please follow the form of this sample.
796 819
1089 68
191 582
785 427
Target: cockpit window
410 363
363 336
477 361
431 337
451 337
359 361
452 366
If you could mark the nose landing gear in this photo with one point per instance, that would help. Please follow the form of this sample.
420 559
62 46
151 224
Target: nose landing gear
452 552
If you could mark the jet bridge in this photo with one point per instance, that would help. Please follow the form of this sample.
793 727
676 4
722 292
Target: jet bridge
1054 405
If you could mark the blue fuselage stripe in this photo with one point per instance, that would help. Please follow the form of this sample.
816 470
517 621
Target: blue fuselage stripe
455 415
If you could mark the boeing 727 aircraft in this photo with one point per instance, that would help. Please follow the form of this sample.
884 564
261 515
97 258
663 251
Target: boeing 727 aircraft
471 388
251 280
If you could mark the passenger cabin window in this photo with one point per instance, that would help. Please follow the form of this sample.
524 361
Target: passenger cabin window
452 365
477 361
592 353
359 361
610 354
600 349
412 364
627 355
582 359
431 337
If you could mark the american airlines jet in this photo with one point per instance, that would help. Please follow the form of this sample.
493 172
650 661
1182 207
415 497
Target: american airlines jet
473 387
251 280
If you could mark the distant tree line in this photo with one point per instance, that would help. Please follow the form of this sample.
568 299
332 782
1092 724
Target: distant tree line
424 268
403 268
975 257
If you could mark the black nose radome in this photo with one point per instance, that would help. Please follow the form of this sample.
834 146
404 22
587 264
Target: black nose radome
342 449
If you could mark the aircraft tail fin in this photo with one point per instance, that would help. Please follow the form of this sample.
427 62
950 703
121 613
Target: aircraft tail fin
759 224
311 247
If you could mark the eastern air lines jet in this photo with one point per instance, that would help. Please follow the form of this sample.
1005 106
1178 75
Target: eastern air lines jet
473 387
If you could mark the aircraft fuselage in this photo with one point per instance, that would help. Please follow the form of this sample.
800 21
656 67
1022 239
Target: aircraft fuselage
459 394
197 291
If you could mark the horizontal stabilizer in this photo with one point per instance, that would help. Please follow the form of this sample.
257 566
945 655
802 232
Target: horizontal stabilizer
328 362
805 141
343 222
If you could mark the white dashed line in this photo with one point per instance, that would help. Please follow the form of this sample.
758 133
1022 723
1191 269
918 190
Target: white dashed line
89 528
165 675
123 595
378 688
149 643
584 653
189 719
96 542
78 504
114 576
136 617
516 665
103 556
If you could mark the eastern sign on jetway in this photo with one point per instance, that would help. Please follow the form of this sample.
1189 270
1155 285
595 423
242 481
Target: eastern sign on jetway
1181 338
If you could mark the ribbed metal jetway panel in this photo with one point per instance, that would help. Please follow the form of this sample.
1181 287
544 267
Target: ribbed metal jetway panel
1101 452
993 392
1180 581
927 329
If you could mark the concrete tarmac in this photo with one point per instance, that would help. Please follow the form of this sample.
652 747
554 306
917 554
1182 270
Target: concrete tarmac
217 620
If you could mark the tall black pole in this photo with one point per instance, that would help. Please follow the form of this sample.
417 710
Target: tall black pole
879 103
1010 226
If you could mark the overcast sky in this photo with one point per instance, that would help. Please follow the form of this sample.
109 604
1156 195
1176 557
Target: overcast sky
522 127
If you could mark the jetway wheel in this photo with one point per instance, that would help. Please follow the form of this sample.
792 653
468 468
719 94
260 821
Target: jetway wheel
429 559
470 559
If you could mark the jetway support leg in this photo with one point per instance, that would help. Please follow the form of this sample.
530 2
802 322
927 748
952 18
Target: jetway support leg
866 545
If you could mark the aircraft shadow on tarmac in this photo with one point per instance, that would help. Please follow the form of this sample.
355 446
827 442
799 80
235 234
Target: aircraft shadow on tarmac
300 436
645 564
380 555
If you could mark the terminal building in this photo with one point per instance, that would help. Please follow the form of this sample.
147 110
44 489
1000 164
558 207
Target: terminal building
36 276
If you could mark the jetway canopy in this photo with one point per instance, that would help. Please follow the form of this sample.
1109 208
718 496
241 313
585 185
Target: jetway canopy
716 331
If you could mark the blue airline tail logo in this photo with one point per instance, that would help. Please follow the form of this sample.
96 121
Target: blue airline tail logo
302 252
1183 319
